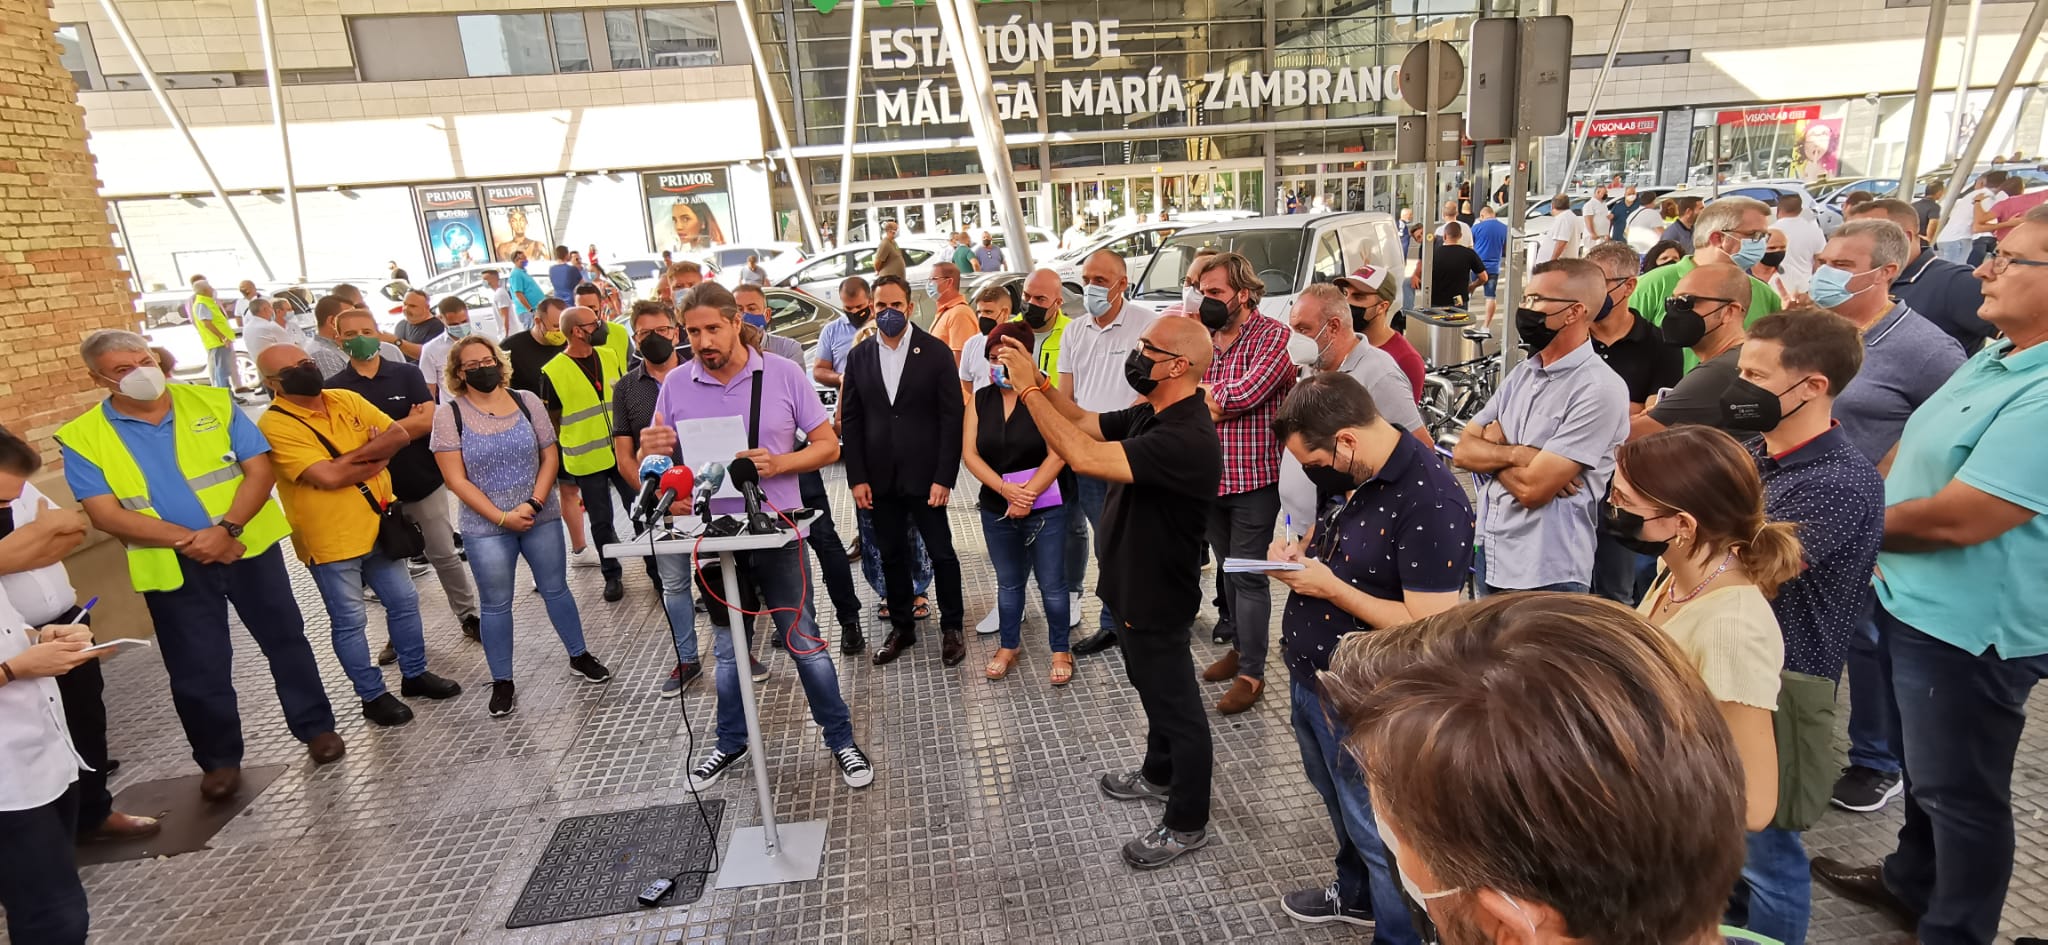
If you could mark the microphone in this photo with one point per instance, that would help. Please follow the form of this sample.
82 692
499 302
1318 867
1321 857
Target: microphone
675 482
708 484
747 478
651 470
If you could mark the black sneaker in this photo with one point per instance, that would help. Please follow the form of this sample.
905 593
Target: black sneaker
1317 906
587 666
473 627
1160 846
1865 789
387 710
854 767
714 765
1132 786
430 686
503 699
760 671
680 677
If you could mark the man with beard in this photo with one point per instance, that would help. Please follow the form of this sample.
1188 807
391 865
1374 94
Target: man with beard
836 338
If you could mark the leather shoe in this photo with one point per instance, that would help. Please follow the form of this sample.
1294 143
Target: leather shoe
894 645
429 686
220 784
614 590
851 642
326 748
1095 642
1222 669
952 649
387 710
119 826
1865 885
1242 695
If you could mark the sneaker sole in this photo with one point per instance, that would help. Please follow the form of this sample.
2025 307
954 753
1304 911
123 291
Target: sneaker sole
1135 864
1325 919
867 779
1889 796
667 693
1120 796
499 715
578 674
699 784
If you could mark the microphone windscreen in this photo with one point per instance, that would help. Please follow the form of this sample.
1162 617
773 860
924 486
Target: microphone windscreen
653 466
713 478
743 472
678 480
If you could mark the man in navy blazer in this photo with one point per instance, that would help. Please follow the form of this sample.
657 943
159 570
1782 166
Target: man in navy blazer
900 412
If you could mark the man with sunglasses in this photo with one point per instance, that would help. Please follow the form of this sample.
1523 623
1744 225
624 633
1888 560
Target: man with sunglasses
1705 317
1732 230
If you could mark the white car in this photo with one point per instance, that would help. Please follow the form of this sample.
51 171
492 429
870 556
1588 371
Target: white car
1769 191
819 277
730 260
1134 243
1043 244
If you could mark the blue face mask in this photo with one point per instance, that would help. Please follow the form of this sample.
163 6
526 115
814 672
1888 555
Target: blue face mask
1830 286
892 322
1095 298
1750 253
460 331
758 321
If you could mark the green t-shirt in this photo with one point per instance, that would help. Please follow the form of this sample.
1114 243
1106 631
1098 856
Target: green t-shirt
963 258
1653 287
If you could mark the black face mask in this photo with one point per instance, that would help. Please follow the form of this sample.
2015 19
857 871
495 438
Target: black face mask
1330 480
1215 313
859 316
1606 309
1036 315
1138 372
1532 330
986 324
1773 259
657 348
1626 529
1682 326
1359 319
598 333
301 380
1751 408
484 379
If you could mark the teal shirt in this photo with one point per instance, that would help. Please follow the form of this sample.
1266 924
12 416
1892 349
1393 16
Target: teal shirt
1985 428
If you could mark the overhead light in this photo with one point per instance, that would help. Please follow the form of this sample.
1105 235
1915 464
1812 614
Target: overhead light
258 192
569 174
606 172
331 188
177 196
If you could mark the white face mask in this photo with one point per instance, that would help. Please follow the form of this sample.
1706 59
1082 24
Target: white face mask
1190 299
1415 892
145 383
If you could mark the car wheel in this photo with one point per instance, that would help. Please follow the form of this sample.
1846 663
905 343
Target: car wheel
246 376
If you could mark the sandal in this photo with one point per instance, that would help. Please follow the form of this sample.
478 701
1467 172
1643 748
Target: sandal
1062 668
999 664
882 611
923 610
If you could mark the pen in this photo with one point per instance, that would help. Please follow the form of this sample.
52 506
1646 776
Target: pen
82 611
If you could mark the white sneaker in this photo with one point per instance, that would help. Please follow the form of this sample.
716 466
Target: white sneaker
587 558
1074 611
991 623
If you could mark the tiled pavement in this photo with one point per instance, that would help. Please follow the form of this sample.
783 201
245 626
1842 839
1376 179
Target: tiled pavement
983 825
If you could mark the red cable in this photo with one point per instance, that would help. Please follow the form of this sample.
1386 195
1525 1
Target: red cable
803 567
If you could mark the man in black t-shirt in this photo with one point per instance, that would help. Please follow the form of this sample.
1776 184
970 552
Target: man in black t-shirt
419 327
1456 271
532 349
1164 463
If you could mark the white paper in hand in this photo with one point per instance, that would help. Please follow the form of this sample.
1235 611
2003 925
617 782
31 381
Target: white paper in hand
712 440
1256 566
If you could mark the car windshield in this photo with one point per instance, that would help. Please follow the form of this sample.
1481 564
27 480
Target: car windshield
641 268
1275 254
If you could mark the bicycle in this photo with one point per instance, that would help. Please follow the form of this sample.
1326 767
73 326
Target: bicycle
1454 393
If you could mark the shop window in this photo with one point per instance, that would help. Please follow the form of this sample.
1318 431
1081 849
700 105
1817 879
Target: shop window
74 45
399 48
572 45
505 44
682 36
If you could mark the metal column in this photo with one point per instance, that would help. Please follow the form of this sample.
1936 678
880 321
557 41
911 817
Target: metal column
852 122
1511 265
1969 65
163 102
1923 96
1593 104
970 68
1425 296
284 143
804 210
2023 45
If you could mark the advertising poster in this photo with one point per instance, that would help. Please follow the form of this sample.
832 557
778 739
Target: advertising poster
454 225
517 223
1817 148
688 210
1780 141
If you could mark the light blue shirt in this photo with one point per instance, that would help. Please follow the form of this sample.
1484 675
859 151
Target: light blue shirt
517 281
155 449
835 340
1987 427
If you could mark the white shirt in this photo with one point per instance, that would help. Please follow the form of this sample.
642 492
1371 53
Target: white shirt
1599 220
261 333
242 310
974 366
1803 240
893 360
44 594
1960 220
501 300
1565 227
37 762
1095 357
434 363
1464 232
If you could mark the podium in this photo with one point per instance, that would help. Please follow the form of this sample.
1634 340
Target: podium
771 853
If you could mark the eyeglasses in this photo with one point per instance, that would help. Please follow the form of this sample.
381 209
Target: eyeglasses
1692 301
473 365
1529 301
1998 262
274 375
1150 347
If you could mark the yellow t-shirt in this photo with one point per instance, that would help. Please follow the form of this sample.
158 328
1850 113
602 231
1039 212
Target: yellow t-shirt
1731 637
328 525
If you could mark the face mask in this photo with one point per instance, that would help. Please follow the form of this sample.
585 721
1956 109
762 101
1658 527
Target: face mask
985 323
999 376
144 383
859 316
892 322
484 379
1036 315
1747 254
362 347
554 339
301 380
1190 299
1626 529
758 321
1773 259
1095 298
459 332
1606 309
1215 313
1682 326
598 333
1330 480
1359 319
657 348
1533 329
1138 371
1751 408
1830 286
1408 885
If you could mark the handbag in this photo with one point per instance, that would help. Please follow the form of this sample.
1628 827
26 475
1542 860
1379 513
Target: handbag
1804 729
398 538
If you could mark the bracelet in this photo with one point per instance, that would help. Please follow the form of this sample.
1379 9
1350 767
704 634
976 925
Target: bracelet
9 670
1028 391
502 516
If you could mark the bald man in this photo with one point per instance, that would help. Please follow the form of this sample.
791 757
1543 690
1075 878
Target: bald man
1705 313
1043 301
1164 464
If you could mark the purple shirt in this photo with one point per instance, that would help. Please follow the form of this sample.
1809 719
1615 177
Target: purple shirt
789 406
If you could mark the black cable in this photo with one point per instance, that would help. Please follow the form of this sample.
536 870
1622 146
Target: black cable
689 730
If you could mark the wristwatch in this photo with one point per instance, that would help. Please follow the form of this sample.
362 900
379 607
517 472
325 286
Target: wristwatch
233 530
538 505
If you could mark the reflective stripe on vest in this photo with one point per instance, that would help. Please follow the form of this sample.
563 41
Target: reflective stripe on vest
206 458
586 434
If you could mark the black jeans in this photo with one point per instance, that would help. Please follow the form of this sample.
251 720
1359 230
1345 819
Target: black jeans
39 887
192 631
1241 526
85 714
829 550
894 516
597 503
1178 752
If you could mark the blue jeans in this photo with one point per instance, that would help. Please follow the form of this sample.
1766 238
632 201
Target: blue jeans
782 577
1365 874
1482 589
1959 718
871 557
341 589
1955 251
494 559
1019 546
1621 575
1870 703
1091 492
1775 895
676 600
220 366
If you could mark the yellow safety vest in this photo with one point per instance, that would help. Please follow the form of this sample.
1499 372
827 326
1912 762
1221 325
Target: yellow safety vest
1049 352
615 340
206 456
586 433
219 319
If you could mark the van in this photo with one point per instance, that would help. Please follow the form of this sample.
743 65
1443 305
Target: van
1288 252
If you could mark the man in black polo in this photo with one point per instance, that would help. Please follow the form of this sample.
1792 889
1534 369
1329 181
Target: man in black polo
1636 351
1164 463
1705 313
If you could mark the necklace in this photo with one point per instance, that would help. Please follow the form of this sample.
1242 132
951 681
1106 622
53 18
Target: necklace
1726 560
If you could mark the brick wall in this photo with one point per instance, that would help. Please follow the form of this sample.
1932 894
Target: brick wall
58 276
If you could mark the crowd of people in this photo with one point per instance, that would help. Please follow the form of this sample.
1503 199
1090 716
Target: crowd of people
1718 481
